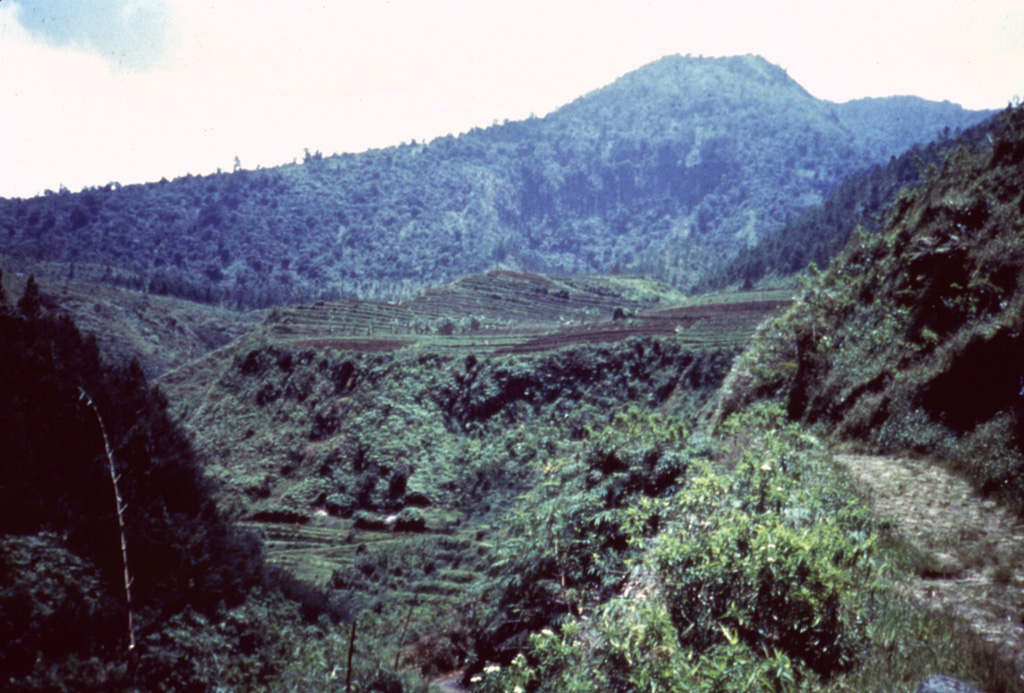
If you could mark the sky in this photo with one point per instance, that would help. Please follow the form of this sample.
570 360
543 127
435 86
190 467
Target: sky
98 91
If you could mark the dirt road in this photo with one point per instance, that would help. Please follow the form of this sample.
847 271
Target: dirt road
974 548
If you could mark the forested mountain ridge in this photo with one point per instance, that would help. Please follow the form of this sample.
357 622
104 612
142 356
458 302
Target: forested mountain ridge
819 233
667 171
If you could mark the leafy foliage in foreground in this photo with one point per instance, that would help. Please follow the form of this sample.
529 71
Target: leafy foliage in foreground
658 560
665 172
913 338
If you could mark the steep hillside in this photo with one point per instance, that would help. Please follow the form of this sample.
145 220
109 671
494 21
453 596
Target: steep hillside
504 471
667 171
160 332
912 338
203 612
378 446
518 492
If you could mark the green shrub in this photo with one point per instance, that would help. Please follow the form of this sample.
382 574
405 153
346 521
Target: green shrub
370 521
651 567
410 520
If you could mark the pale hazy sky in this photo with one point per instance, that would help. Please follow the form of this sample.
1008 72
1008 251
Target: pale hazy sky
94 91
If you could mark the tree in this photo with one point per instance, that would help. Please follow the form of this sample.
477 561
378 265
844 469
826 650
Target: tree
30 302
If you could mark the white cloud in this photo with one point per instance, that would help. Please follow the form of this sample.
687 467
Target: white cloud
263 80
130 33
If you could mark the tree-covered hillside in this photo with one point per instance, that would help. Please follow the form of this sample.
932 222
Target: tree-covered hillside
667 171
442 402
861 201
912 339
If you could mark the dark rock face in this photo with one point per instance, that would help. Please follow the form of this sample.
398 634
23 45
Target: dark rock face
944 684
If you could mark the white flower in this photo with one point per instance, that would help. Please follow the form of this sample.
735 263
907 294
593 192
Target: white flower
491 668
766 467
476 679
546 631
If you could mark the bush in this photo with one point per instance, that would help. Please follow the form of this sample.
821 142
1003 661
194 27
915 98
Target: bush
370 522
410 520
640 565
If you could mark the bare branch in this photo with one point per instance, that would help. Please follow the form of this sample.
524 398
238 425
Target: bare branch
114 478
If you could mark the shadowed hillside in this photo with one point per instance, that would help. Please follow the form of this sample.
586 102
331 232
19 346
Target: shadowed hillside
861 201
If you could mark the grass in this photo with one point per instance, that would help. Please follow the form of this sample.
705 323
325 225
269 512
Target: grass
910 643
161 332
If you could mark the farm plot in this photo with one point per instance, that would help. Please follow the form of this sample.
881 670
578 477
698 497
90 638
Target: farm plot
369 566
514 312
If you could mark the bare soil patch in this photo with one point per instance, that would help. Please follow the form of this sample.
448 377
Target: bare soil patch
369 345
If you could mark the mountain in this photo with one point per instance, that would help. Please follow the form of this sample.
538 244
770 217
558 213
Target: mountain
861 201
911 340
507 473
886 125
667 171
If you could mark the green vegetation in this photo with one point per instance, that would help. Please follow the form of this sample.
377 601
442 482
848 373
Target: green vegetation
362 406
160 332
507 475
666 172
378 453
911 339
817 234
653 559
546 517
205 611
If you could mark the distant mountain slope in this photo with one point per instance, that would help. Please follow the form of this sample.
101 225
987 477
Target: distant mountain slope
666 172
887 125
914 338
818 233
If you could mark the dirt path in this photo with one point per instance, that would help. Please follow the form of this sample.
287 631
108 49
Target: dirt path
975 548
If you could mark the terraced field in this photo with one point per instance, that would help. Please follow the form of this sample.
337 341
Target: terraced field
379 569
309 429
501 312
512 312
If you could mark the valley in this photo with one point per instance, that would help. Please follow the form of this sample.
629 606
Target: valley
376 447
457 409
328 402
